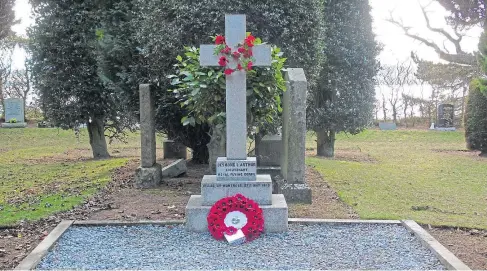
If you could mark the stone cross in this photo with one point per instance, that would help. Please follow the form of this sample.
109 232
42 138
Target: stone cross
236 84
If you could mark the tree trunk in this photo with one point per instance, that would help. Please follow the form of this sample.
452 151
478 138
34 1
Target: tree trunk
96 131
384 109
464 95
216 147
200 154
406 115
394 113
325 143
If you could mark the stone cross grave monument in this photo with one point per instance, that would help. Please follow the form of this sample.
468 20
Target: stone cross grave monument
14 109
236 173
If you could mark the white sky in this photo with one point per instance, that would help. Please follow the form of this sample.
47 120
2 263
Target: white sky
396 45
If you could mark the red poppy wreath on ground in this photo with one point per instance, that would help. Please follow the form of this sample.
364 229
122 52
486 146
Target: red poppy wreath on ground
231 214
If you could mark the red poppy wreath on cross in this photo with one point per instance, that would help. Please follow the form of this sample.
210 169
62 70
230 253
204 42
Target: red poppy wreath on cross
231 214
243 55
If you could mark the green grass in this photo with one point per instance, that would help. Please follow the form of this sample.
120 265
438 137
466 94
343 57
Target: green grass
418 175
44 171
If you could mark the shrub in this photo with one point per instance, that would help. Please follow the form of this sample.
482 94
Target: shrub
13 120
201 90
476 117
294 26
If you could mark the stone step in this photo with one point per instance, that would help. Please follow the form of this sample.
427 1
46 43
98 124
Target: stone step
259 190
275 215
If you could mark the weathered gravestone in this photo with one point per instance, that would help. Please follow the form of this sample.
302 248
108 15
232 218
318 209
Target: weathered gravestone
174 150
446 115
149 174
236 173
387 126
14 113
293 168
268 151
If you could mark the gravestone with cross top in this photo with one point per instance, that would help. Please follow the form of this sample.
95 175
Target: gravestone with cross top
236 165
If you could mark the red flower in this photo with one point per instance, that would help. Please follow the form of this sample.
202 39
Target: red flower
228 71
241 50
250 41
223 61
248 53
239 67
226 50
219 39
231 230
236 54
249 65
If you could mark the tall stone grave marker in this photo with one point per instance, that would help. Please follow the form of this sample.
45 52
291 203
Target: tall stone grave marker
149 174
236 173
293 168
446 113
14 110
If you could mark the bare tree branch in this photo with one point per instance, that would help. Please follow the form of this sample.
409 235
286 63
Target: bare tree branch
461 57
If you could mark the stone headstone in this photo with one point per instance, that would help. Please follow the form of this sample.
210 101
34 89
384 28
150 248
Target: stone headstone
14 110
149 174
175 169
269 151
236 173
293 168
174 150
446 114
387 126
432 127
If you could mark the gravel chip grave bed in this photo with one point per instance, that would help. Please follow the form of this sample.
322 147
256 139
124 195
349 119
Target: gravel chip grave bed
353 246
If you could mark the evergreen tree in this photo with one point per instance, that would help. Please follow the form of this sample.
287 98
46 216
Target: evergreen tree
64 46
345 96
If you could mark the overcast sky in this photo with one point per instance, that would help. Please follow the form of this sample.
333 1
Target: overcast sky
396 45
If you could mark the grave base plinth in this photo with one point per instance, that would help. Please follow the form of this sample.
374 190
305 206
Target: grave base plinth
275 215
294 193
14 125
259 190
148 177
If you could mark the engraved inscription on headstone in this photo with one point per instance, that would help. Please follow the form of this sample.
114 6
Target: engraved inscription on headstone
236 185
236 169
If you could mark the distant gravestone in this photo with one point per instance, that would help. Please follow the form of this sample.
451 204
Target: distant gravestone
387 126
14 113
446 114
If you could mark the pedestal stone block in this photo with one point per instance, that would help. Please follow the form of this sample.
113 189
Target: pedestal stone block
14 125
148 177
275 215
259 190
236 170
294 193
174 150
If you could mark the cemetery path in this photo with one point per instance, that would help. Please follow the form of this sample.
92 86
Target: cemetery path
120 201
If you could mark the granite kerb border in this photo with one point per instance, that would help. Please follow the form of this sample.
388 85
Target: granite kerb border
34 258
447 258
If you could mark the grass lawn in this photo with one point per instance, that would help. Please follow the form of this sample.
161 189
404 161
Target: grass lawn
422 175
43 171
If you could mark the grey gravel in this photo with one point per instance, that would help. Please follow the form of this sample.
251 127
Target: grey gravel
303 247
